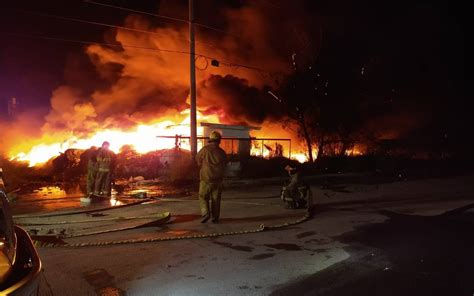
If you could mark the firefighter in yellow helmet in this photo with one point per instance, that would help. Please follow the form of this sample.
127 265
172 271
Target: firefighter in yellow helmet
212 161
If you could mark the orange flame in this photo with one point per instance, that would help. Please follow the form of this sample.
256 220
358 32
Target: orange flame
143 138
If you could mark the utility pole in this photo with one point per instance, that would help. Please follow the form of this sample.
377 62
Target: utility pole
300 116
192 61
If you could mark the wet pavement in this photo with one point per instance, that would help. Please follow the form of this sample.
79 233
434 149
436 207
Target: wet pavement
403 238
63 220
66 196
46 199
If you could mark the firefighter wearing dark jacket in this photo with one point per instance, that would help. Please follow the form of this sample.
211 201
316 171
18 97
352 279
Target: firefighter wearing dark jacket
212 161
105 170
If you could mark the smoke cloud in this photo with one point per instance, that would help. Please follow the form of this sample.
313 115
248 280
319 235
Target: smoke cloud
141 83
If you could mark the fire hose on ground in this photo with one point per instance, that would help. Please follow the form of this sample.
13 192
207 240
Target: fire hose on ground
259 229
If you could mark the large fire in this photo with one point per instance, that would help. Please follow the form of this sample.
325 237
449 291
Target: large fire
143 138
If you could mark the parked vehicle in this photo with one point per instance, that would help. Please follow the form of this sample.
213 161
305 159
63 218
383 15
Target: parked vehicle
20 265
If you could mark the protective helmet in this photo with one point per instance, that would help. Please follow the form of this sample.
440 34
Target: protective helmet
290 168
215 136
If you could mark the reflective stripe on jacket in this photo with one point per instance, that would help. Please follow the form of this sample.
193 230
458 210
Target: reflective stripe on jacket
105 159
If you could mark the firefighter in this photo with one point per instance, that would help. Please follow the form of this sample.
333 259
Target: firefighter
291 193
212 161
105 169
91 158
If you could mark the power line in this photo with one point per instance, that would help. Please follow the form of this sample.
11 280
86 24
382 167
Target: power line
85 42
235 65
121 46
183 21
228 64
106 25
159 16
137 11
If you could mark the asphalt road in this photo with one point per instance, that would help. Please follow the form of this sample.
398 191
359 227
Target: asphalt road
405 238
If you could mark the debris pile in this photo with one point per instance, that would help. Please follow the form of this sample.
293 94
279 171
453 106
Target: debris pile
172 164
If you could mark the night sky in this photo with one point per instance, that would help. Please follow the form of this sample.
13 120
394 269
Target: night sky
414 53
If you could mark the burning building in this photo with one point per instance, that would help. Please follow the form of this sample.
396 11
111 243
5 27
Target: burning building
236 138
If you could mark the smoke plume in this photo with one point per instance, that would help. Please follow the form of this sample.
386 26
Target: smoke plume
147 75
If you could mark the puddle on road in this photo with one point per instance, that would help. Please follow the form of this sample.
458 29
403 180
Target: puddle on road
51 192
66 188
47 199
57 201
66 196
